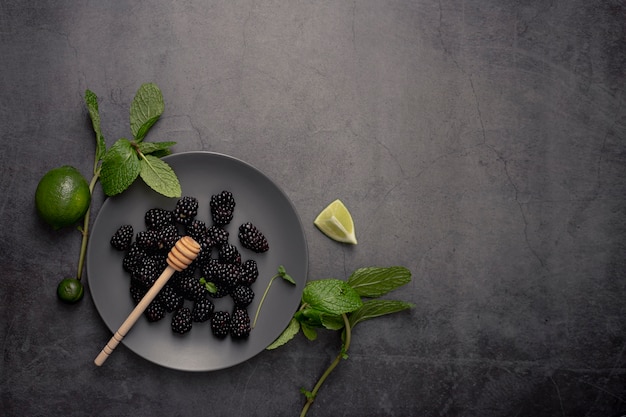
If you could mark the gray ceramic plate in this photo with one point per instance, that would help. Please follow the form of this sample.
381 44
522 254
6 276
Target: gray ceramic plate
259 201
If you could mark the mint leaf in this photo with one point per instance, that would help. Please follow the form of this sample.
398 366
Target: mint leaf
331 296
282 272
156 148
308 331
120 167
377 308
210 287
375 281
92 106
145 110
159 176
332 321
289 333
313 317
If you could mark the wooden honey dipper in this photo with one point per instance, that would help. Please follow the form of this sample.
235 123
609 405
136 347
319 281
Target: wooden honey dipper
180 257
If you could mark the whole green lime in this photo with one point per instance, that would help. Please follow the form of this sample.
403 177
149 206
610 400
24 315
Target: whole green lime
62 197
70 290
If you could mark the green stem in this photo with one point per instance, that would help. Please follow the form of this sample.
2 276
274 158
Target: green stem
333 365
85 229
258 309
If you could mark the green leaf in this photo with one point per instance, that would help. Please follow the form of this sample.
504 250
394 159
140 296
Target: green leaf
375 281
210 287
332 322
377 308
145 110
92 106
308 394
289 279
316 318
289 333
158 149
331 296
282 272
120 167
159 176
308 331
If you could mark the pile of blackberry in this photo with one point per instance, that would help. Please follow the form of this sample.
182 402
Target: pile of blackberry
191 296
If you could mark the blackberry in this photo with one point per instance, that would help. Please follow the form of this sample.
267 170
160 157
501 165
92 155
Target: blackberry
220 324
249 272
148 240
202 310
155 311
137 292
186 210
229 254
229 275
179 277
181 320
167 238
242 296
211 270
217 235
222 207
133 257
170 299
240 323
252 238
161 260
123 237
197 229
146 272
191 289
206 249
158 218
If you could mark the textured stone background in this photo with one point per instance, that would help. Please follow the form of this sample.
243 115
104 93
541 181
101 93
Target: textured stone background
480 143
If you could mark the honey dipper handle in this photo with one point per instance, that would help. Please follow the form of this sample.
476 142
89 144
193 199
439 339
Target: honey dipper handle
134 316
179 258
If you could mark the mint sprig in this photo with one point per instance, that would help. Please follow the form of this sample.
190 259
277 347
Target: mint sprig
337 305
119 166
128 159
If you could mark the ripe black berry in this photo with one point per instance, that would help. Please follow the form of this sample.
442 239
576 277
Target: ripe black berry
202 310
217 236
240 323
191 288
222 207
170 299
249 272
167 238
133 257
154 311
252 238
242 295
229 254
158 218
186 210
122 238
220 324
148 240
181 320
146 272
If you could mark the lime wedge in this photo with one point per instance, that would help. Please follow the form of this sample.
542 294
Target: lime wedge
336 222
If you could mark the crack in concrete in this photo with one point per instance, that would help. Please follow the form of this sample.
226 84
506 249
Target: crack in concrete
505 165
484 143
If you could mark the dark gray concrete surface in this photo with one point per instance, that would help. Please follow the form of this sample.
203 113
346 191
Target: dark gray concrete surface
479 143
